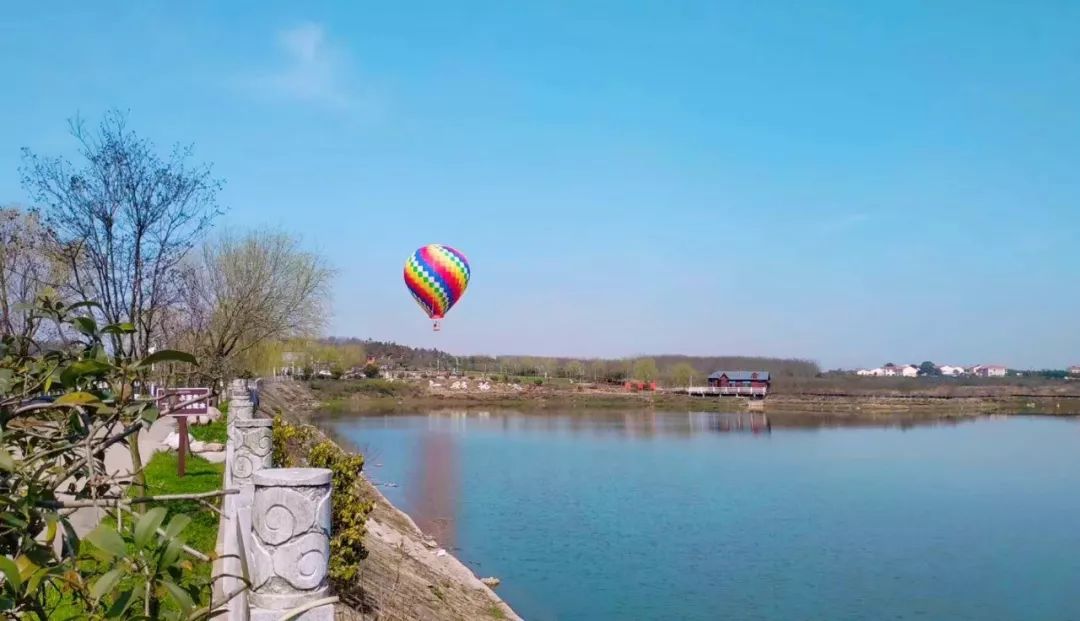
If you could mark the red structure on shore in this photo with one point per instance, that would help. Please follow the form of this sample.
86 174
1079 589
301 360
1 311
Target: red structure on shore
740 379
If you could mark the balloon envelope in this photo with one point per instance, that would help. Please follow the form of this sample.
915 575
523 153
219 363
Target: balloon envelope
437 276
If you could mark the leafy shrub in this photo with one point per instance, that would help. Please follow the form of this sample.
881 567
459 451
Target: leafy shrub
348 512
296 445
61 407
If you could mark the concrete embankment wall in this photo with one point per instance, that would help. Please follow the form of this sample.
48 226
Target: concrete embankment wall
406 576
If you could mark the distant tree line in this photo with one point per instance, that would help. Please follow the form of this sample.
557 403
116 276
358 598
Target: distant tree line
672 370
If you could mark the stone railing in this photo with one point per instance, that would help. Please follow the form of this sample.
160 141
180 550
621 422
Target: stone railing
274 536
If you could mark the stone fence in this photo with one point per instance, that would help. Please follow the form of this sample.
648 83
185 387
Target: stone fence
274 536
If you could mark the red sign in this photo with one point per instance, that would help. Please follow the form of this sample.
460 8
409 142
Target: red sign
176 396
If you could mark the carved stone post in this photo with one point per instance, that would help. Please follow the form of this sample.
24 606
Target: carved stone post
252 446
240 405
290 544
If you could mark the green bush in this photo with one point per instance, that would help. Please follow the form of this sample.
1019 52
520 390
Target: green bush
52 460
348 511
296 445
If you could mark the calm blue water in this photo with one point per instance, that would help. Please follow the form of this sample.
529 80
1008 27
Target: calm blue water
694 516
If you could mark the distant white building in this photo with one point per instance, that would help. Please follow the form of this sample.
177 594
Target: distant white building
1074 371
890 370
989 370
951 371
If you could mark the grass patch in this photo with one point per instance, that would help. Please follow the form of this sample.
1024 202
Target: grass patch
202 476
333 389
216 431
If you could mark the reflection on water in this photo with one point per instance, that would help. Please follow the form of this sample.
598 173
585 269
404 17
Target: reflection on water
633 424
433 485
612 515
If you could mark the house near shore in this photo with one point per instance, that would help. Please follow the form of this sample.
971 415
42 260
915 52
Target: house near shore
740 379
989 370
951 371
890 370
1074 371
908 370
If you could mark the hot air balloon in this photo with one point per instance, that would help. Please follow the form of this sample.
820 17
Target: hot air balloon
437 275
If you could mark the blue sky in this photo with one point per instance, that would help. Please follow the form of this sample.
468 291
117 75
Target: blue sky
850 182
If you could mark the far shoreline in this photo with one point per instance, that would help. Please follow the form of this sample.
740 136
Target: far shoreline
352 396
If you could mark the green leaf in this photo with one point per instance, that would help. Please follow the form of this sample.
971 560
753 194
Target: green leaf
176 525
167 355
11 573
53 377
71 538
120 605
77 398
97 352
106 583
150 414
147 525
172 552
18 523
39 556
180 595
86 325
119 328
81 368
107 540
36 579
7 462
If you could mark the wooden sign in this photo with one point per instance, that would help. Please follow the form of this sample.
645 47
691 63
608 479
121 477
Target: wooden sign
172 405
176 396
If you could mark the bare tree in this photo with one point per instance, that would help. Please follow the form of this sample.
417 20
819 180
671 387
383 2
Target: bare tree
575 369
25 272
122 222
243 292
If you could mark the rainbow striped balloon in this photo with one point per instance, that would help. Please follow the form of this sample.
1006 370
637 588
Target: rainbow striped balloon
436 276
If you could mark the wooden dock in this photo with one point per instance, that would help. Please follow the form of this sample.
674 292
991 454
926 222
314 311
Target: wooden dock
725 391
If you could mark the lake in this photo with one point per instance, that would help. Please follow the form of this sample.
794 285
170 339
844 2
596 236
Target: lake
647 515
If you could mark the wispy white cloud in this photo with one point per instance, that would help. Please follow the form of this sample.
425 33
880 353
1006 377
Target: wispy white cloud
312 69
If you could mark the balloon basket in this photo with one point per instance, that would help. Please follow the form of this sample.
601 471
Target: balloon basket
436 325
